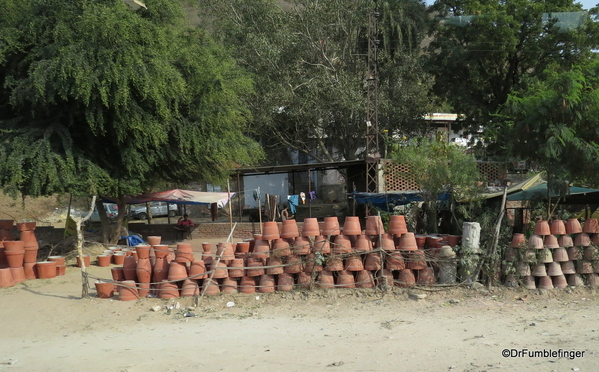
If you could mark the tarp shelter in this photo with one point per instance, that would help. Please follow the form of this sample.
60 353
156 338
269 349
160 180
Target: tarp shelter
386 201
178 196
576 195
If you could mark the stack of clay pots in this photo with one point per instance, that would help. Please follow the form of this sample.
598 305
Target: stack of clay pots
5 234
27 236
557 255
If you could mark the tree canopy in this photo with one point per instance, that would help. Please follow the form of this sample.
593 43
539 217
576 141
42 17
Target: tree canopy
310 63
98 98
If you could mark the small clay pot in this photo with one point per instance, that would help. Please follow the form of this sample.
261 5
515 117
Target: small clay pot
397 225
341 245
326 280
104 289
280 248
353 263
143 270
154 240
363 244
190 288
161 250
13 245
15 258
168 290
372 262
407 242
86 260
117 274
143 250
104 260
61 270
374 226
29 268
177 271
236 268
197 270
118 258
559 281
301 246
293 265
542 228
26 226
351 226
247 285
270 230
311 227
211 287
405 278
220 270
364 279
6 279
46 269
184 253
345 280
289 229
331 226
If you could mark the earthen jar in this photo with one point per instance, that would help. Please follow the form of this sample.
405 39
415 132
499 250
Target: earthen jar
574 280
184 253
544 256
574 253
545 282
528 282
285 282
584 267
374 226
542 228
261 249
582 240
386 242
225 251
129 268
15 258
30 270
351 226
568 267
539 270
160 270
560 255
554 269
591 226
128 291
415 260
536 242
565 241
334 263
13 245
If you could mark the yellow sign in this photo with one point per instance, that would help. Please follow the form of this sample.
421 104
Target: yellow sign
70 227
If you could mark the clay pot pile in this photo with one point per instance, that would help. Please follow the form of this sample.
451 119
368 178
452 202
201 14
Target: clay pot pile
559 254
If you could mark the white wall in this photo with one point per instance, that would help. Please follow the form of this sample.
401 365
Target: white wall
273 184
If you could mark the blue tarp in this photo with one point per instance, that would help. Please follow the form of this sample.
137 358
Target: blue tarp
386 201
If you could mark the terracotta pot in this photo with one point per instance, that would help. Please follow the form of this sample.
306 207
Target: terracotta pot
595 239
311 265
433 240
30 271
6 279
183 253
190 288
372 262
584 267
261 249
117 274
129 268
255 267
304 280
229 286
103 260
454 240
565 241
161 250
118 258
345 280
550 241
277 266
397 225
310 227
28 238
510 254
420 241
518 240
539 270
143 289
568 267
405 278
177 271
559 281
385 279
154 240
593 280
545 282
536 242
326 280
590 253
26 226
86 260
285 282
243 247
294 265
18 274
168 290
560 255
573 226
394 261
3 261
574 254
144 270
407 242
591 226
30 255
61 270
557 227
353 263
220 270
574 280
544 256
542 228
528 282
523 269
334 263
529 255
60 260
267 284
510 281
321 245
280 248
289 229
270 230
302 246
104 289
15 258
415 260
374 226
6 224
351 226
426 276
160 270
247 284
364 279
236 268
197 270
554 269
13 246
363 244
225 251
143 251
331 226
128 290
582 240
341 245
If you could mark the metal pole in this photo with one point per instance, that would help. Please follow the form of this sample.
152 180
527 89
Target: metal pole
239 196
309 191
230 208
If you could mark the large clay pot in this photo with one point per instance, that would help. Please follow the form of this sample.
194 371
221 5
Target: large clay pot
351 226
557 227
144 270
301 246
46 269
190 288
160 270
550 241
143 250
331 226
285 282
184 253
574 280
386 242
6 279
197 270
104 289
334 263
545 282
310 227
154 240
128 291
15 258
280 248
345 280
363 243
568 267
326 280
364 279
407 242
374 226
247 284
270 230
582 240
416 260
574 254
539 270
341 245
168 290
559 281
30 255
560 255
289 229
397 225
177 271
405 278
536 242
554 269
321 245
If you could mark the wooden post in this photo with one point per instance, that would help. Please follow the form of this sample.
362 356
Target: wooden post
79 221
230 208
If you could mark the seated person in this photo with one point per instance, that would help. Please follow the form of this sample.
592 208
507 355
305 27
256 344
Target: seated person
285 214
184 224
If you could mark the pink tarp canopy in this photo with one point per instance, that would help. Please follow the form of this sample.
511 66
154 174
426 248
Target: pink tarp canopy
178 196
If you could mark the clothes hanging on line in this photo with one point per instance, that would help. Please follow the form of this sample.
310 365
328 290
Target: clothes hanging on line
312 195
293 202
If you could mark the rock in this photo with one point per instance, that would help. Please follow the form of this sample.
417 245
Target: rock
156 308
416 296
454 301
477 286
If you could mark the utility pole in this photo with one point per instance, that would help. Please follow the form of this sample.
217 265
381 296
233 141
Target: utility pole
372 154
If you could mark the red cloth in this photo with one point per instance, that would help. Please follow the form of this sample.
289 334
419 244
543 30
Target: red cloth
185 223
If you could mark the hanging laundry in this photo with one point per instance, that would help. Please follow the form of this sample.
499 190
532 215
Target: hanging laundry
271 210
257 194
214 211
312 195
302 197
293 202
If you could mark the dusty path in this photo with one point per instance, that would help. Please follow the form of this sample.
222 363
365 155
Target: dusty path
47 327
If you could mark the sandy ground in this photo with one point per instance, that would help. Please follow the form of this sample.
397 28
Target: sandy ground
46 326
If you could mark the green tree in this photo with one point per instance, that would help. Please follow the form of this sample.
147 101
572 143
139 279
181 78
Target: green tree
439 167
481 51
309 61
97 98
